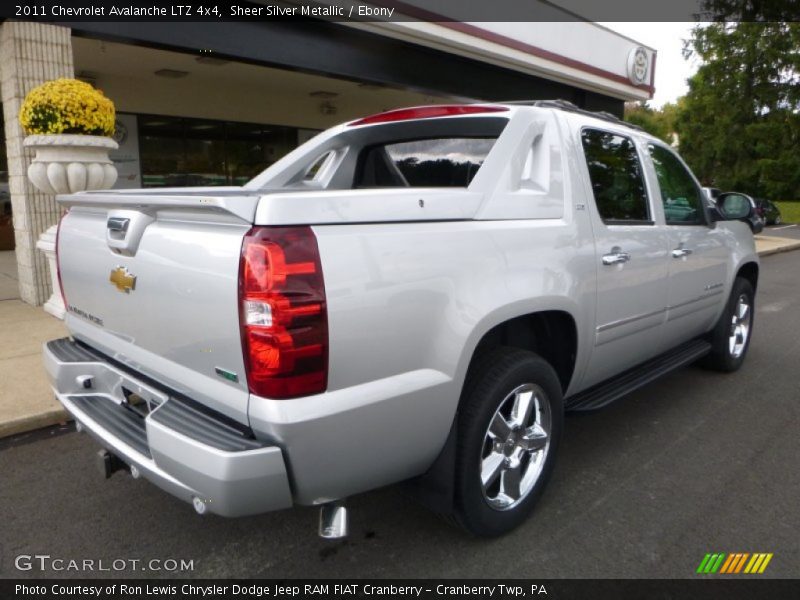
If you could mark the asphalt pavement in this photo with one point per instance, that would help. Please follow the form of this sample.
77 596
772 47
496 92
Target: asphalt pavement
697 462
783 230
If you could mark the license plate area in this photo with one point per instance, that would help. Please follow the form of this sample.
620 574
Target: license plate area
140 400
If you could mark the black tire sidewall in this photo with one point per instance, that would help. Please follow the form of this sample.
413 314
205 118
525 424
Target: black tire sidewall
506 369
720 357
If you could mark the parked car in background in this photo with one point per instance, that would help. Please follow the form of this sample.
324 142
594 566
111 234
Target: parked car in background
769 211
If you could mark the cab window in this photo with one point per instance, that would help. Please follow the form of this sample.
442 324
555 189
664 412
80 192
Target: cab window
680 195
616 176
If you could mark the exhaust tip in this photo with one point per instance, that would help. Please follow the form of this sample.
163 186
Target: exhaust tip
333 521
200 505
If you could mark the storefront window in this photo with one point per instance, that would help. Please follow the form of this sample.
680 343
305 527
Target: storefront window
176 151
205 153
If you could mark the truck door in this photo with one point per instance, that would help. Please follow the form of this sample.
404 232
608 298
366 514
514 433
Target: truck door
698 256
631 257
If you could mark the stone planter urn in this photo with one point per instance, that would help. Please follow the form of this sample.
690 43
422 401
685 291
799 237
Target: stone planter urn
64 164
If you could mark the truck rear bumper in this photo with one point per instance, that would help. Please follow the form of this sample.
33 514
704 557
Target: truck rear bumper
181 448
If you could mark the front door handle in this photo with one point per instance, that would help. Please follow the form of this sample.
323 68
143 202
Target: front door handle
681 252
616 257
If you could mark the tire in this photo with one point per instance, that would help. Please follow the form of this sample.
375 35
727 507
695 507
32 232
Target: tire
513 446
730 338
777 220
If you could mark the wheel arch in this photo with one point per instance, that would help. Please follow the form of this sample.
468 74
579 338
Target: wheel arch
552 334
749 271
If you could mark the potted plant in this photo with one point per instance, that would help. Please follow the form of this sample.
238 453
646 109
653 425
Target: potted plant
69 124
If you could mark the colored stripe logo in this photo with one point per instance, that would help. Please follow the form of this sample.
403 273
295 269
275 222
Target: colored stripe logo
737 562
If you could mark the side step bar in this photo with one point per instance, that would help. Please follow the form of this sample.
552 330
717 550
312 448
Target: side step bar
607 392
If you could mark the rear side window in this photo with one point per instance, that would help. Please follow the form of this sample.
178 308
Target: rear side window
439 162
682 198
616 176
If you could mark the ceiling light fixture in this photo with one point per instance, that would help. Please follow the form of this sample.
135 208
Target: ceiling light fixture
323 95
171 73
211 61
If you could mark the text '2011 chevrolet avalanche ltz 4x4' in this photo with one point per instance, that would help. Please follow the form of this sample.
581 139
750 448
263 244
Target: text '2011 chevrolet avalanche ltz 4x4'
416 296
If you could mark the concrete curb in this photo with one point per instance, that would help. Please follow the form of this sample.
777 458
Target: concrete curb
779 249
34 421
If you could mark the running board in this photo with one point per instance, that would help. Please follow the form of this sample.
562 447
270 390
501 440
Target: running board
607 392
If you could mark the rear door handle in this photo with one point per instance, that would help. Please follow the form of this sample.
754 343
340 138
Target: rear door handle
681 252
616 257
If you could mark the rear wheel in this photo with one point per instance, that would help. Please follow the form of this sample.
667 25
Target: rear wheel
508 432
777 220
730 338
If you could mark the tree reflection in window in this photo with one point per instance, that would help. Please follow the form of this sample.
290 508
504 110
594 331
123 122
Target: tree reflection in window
616 176
439 162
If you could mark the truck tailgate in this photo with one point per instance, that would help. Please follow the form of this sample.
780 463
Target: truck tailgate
152 281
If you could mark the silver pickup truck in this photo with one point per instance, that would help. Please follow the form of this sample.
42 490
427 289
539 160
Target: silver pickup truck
416 296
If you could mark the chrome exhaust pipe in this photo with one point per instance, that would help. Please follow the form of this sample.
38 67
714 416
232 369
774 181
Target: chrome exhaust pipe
333 520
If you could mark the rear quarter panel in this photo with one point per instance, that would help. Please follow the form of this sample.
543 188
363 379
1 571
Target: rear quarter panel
407 305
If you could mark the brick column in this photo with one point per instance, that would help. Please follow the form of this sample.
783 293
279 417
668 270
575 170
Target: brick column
30 54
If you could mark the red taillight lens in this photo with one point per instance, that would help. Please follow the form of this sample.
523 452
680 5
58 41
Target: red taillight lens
426 112
58 258
283 313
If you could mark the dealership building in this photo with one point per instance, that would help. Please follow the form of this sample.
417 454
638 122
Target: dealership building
202 103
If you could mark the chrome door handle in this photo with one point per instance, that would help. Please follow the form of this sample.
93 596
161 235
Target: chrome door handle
681 252
616 257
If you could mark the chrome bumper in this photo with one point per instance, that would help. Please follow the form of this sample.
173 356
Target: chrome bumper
183 450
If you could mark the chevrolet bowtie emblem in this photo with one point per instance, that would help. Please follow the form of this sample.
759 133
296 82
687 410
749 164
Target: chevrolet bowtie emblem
122 280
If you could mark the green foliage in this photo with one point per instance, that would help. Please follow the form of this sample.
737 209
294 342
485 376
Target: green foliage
739 125
660 123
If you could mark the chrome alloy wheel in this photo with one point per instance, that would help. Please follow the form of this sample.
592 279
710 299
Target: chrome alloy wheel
740 326
515 447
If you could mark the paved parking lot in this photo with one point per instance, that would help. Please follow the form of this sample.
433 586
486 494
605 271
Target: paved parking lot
697 462
784 230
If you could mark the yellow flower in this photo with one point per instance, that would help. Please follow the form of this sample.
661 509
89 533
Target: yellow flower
67 106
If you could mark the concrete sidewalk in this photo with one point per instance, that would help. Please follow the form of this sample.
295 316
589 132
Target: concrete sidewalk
26 400
768 244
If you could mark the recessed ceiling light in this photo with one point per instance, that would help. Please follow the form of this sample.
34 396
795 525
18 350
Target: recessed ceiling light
323 94
211 61
171 73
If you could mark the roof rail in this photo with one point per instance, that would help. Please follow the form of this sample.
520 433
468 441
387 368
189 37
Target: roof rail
570 107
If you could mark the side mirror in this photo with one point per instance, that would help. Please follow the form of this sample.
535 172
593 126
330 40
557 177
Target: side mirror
735 207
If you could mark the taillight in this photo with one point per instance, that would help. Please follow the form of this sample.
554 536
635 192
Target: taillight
283 313
58 258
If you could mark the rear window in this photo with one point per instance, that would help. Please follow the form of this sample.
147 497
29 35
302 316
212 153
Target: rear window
436 162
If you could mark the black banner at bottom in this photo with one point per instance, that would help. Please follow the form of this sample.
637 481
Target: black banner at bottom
423 589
